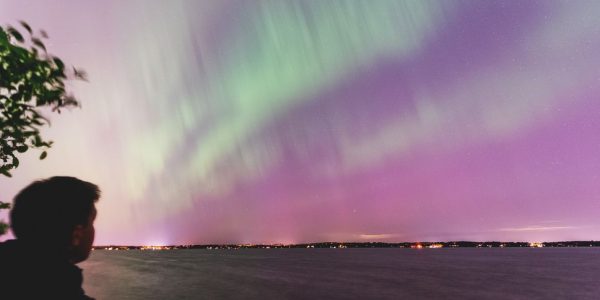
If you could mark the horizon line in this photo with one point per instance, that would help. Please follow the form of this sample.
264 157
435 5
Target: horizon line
355 242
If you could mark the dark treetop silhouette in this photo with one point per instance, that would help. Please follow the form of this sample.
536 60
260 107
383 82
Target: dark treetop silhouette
53 220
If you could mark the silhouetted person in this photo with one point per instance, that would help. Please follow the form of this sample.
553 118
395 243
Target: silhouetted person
53 221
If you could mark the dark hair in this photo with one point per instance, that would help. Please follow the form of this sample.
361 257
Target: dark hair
47 211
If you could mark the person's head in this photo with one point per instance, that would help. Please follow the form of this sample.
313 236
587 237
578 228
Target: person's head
57 212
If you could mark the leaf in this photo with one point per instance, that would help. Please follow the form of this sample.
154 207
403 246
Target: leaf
15 33
3 36
38 141
26 26
38 43
59 63
80 74
3 228
22 149
5 172
43 155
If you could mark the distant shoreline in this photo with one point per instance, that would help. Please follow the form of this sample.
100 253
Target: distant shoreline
339 245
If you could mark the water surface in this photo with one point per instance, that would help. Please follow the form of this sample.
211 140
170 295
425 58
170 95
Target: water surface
466 273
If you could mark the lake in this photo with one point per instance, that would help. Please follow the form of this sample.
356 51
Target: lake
466 273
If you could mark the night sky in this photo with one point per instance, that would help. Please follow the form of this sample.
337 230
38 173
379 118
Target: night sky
303 121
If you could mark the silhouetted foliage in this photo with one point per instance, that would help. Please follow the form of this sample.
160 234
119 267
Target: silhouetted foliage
30 79
3 226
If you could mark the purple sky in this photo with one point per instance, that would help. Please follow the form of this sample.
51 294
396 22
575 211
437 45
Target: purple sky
303 121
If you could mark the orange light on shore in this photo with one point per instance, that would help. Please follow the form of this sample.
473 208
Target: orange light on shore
536 245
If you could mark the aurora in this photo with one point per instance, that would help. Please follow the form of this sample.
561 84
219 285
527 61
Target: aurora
306 121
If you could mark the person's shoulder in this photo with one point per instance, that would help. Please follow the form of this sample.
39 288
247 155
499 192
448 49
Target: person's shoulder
12 273
29 274
9 250
7 245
